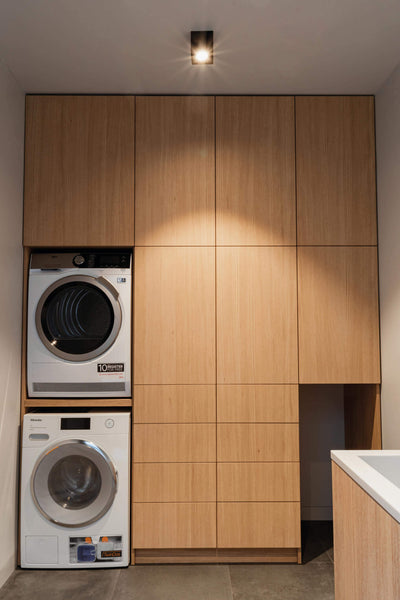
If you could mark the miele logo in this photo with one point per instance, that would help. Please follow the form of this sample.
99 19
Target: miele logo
110 367
36 420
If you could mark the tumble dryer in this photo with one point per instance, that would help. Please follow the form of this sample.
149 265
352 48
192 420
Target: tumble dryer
79 324
75 490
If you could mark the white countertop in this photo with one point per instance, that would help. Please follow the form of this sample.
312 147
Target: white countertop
379 487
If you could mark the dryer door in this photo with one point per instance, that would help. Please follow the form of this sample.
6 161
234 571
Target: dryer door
79 317
74 483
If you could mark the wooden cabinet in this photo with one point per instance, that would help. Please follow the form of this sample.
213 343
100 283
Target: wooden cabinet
256 315
79 166
175 171
174 322
335 156
338 315
255 171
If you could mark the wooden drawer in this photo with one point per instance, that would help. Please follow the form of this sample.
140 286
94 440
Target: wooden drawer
242 442
174 443
258 403
174 403
258 482
174 482
174 525
258 524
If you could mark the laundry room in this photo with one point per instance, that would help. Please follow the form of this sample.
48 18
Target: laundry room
200 300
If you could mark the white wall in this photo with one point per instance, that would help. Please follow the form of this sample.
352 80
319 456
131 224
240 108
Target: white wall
11 185
387 105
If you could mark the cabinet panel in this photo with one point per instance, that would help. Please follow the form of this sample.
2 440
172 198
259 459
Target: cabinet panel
258 482
255 171
174 525
174 443
258 524
258 403
174 334
256 315
338 315
79 166
175 482
175 171
242 442
174 403
335 152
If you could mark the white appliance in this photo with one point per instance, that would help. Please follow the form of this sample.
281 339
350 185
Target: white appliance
79 324
75 490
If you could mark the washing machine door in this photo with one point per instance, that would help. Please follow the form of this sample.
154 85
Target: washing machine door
78 317
74 483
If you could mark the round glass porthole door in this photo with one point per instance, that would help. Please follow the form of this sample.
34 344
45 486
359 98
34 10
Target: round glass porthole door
78 317
74 483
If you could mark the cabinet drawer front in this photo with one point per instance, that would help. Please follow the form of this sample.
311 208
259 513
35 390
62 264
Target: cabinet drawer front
174 443
258 403
174 403
238 442
258 482
174 482
258 524
171 525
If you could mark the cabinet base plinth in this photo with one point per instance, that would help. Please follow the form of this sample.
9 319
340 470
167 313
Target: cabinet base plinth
221 555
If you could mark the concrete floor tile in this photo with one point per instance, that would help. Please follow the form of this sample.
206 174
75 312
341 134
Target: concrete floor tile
312 581
174 582
90 584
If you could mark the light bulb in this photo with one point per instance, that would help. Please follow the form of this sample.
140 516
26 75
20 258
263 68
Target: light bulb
202 55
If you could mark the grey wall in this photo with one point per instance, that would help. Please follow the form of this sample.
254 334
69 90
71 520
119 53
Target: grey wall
388 176
11 178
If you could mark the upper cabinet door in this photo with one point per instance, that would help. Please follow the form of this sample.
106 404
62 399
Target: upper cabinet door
79 167
175 171
338 315
335 153
255 171
256 315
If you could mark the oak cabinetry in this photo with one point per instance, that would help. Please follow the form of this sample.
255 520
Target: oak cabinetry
175 171
174 316
256 315
338 315
335 157
79 166
174 403
255 171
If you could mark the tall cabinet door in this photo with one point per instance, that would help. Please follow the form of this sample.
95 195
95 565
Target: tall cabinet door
175 171
79 166
335 156
255 171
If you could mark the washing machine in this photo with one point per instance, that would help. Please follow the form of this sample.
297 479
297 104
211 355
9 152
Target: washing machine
79 324
75 490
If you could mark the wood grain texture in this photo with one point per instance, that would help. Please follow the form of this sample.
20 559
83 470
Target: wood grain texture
174 525
338 315
174 403
174 482
242 442
79 167
174 443
362 417
366 543
255 170
258 524
258 482
175 171
217 555
258 403
256 315
174 332
335 152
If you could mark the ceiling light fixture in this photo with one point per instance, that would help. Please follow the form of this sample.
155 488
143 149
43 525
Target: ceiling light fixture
201 43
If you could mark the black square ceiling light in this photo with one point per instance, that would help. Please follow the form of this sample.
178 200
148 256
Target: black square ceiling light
201 44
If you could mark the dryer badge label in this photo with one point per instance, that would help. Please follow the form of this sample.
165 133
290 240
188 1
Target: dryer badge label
110 367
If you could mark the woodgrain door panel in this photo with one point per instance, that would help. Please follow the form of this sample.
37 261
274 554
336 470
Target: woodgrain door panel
174 443
258 403
174 403
258 482
243 442
174 482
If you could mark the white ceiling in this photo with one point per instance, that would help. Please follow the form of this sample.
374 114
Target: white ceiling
142 46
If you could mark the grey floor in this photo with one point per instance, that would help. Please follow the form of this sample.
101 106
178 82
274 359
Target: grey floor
313 580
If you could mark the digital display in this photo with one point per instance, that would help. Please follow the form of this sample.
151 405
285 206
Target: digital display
75 423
